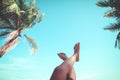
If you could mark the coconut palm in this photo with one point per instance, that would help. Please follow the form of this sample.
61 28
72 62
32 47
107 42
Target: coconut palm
15 17
114 12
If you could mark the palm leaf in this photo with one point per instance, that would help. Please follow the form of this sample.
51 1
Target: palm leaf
113 27
103 3
12 8
115 43
110 13
12 23
40 18
4 33
8 2
32 4
22 4
118 44
33 44
6 22
118 36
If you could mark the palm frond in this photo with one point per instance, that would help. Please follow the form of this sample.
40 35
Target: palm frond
12 9
32 4
103 3
10 20
117 42
1 5
113 27
117 15
9 6
118 36
115 4
12 23
30 18
110 13
20 3
4 33
41 17
8 2
33 44
5 22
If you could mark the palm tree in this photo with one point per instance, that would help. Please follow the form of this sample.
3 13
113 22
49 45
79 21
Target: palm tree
15 17
114 5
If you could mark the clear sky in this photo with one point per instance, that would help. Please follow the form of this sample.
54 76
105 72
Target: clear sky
66 22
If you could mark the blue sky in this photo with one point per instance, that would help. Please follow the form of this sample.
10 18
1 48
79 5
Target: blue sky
66 22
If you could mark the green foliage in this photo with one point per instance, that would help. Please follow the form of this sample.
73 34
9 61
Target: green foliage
18 13
8 2
113 13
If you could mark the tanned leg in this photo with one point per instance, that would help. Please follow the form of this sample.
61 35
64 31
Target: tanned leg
72 75
61 72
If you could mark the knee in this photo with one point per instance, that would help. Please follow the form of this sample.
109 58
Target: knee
59 69
57 72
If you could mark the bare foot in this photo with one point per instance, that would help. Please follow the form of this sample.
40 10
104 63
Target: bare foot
76 51
62 56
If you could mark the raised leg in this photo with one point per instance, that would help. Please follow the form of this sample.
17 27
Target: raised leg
62 71
71 75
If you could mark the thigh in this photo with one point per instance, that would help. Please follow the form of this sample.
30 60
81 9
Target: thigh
59 73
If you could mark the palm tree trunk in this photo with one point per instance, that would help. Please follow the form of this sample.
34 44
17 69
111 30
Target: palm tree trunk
8 46
12 42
